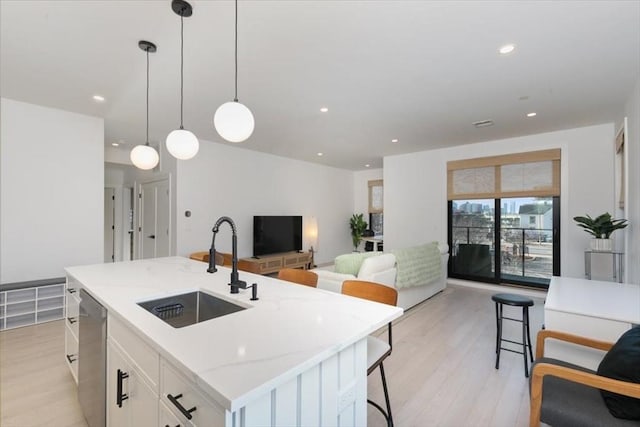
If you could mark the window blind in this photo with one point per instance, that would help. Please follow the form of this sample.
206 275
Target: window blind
535 173
376 196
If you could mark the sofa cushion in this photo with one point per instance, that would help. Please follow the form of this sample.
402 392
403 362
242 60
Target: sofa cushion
622 362
350 263
373 265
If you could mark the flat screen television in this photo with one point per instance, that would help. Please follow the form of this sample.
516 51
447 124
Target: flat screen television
275 234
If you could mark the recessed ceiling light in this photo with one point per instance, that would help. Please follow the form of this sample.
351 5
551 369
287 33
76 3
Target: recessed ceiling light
115 144
507 48
532 114
320 154
98 98
367 165
324 109
394 140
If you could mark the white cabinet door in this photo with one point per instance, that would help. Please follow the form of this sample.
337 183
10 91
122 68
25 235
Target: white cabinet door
130 401
167 418
144 403
117 409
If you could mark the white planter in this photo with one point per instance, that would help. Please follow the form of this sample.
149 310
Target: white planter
601 245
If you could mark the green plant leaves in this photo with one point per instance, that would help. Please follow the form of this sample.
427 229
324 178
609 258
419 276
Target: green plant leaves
602 226
358 226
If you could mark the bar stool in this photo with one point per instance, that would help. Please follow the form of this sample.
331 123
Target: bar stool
515 301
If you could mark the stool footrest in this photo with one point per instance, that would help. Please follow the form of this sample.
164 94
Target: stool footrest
512 351
511 318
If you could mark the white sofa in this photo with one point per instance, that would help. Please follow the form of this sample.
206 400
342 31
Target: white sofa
382 268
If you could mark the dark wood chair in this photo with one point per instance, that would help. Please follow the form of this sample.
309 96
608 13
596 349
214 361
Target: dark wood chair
301 277
204 257
377 349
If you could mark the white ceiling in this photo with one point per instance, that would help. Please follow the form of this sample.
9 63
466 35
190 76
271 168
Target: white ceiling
419 71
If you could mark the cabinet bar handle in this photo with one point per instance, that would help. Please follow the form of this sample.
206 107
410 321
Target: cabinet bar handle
119 395
71 358
72 320
185 412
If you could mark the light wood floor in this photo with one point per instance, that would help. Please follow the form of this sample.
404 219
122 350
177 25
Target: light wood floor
441 371
36 387
442 368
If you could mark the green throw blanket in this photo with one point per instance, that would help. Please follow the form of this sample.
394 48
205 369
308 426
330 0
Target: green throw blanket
418 265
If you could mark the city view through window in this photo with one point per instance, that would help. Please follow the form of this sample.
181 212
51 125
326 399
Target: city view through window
523 236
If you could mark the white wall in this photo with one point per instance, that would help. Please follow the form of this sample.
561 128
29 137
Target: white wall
415 198
223 180
632 205
361 189
51 201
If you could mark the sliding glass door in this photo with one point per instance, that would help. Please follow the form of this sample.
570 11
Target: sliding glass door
508 240
472 238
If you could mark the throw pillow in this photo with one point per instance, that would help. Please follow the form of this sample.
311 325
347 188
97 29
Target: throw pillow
350 263
622 362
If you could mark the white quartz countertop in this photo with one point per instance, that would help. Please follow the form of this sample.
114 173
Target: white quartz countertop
240 356
607 300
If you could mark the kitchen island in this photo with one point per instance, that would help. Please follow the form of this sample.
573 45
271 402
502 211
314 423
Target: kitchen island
296 356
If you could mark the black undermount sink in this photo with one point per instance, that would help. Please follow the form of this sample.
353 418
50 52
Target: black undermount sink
187 309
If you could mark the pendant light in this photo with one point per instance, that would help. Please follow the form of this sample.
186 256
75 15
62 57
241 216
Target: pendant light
181 143
233 120
144 156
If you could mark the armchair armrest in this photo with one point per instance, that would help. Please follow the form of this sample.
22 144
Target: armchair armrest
540 370
575 339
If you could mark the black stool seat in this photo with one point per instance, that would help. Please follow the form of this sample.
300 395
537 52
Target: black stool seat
514 301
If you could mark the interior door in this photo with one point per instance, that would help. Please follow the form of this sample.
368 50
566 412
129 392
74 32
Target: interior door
155 219
109 224
163 219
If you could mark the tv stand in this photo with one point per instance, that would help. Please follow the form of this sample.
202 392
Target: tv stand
273 263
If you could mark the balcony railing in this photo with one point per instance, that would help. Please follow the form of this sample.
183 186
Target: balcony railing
526 254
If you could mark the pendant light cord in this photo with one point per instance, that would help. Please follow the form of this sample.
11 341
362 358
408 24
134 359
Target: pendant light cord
181 67
235 99
147 140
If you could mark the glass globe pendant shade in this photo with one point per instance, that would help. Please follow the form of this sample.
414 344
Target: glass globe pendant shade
182 144
144 157
234 121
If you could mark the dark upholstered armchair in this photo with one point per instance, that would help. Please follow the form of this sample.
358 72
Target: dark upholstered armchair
563 394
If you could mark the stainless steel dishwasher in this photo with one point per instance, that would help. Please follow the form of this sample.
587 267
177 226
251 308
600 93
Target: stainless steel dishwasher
92 360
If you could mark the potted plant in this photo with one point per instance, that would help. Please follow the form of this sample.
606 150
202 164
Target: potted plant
358 226
600 228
